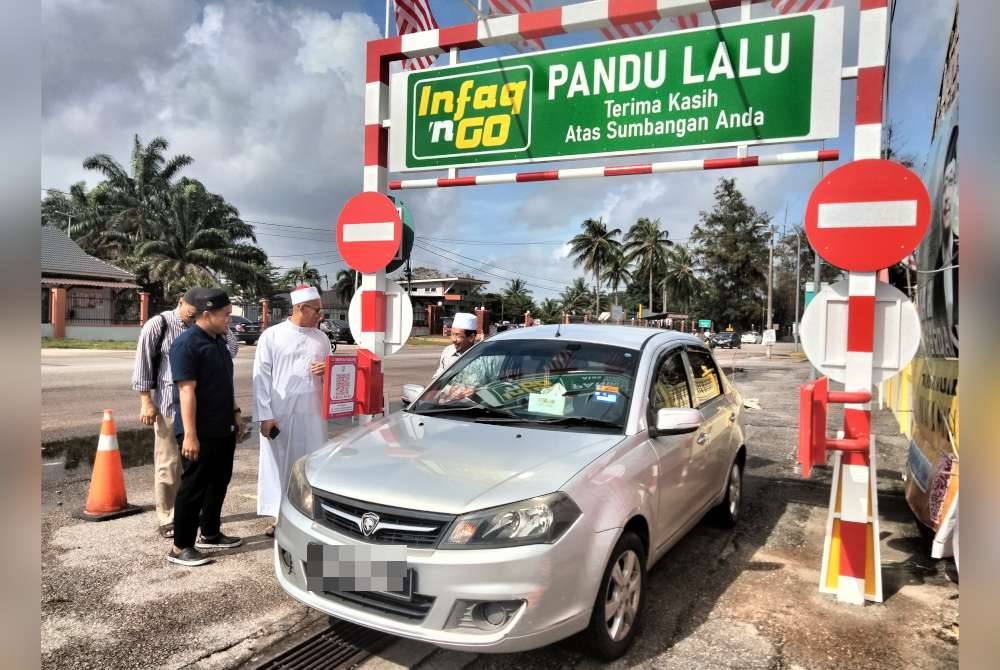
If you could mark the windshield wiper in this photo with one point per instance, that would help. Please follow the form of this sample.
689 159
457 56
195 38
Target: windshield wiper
580 421
485 409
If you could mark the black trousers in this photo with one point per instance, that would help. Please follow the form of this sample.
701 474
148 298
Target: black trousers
203 489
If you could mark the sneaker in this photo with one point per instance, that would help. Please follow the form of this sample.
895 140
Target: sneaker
189 557
219 541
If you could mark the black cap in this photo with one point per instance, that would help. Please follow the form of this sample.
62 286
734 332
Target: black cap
204 299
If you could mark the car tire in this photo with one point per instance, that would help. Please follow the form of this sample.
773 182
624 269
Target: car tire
727 513
608 641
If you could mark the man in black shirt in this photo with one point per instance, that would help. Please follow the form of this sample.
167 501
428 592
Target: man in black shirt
206 426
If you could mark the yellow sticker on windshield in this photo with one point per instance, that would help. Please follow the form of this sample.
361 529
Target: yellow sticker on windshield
606 388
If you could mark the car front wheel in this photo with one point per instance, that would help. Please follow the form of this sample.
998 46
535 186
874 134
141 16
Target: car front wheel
617 610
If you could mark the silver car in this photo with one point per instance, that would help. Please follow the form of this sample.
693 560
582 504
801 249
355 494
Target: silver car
523 495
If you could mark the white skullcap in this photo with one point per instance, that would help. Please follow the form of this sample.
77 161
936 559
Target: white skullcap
304 294
465 321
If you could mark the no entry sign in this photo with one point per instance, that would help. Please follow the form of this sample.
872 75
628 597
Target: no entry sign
867 215
369 232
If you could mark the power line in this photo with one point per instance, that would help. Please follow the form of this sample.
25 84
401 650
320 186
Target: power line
493 265
486 272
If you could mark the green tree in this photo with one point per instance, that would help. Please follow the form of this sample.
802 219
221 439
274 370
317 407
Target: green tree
616 272
344 285
138 200
595 248
646 248
680 278
303 274
576 297
550 311
516 299
730 248
202 242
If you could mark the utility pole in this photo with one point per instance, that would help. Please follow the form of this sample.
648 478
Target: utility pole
770 275
798 282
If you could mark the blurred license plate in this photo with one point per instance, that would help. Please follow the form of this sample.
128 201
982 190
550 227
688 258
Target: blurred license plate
371 568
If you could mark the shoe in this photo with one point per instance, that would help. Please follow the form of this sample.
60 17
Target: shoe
166 530
219 541
189 557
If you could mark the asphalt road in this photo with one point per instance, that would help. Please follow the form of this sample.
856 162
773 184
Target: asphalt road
741 598
78 385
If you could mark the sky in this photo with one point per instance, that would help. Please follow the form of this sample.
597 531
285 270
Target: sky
267 97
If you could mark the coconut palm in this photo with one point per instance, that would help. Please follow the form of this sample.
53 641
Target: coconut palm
617 272
679 278
202 238
139 199
345 284
645 247
304 274
594 249
576 297
517 297
549 311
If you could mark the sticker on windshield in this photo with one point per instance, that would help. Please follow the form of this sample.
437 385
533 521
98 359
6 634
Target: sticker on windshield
606 397
606 388
550 401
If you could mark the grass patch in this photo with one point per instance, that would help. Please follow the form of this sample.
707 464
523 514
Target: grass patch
429 341
108 345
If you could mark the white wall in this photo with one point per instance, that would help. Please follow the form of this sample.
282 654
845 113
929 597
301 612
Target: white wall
47 330
116 333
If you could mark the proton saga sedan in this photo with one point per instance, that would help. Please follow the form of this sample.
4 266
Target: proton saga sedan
523 495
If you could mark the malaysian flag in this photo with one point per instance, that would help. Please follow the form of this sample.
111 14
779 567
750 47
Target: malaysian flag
638 28
518 7
414 16
685 21
789 6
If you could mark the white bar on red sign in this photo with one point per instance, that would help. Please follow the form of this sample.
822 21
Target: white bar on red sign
369 232
885 214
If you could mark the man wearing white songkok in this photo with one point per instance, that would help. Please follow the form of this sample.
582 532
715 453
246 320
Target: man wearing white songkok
288 388
463 336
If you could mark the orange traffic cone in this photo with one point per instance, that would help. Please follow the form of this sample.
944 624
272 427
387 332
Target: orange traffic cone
107 499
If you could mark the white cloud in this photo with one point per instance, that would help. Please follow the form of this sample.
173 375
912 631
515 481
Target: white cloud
209 29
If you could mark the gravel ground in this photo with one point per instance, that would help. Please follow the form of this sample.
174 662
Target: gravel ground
745 598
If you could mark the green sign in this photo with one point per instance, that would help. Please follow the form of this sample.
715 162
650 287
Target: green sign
765 81
704 323
406 247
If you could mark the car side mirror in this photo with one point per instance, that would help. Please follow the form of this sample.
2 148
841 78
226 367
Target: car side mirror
410 393
676 421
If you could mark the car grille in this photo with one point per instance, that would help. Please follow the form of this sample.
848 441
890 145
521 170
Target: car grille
415 609
396 526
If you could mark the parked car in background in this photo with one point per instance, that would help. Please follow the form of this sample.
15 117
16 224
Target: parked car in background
244 329
751 337
727 340
337 330
523 496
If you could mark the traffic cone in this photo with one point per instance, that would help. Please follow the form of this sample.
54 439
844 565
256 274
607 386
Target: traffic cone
107 499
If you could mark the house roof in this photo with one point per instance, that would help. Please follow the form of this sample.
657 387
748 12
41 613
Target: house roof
62 256
438 280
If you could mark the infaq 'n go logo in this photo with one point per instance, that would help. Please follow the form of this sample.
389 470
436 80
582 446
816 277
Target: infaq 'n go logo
473 113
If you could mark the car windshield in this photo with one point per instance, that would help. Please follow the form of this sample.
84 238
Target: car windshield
541 382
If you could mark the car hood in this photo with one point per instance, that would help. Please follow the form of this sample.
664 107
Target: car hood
451 466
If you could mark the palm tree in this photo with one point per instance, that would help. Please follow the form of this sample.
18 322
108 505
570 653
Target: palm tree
645 246
549 311
576 297
344 285
517 296
593 249
617 272
680 279
140 198
200 241
304 274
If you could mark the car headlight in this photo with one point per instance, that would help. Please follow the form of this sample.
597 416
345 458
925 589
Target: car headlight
300 494
539 520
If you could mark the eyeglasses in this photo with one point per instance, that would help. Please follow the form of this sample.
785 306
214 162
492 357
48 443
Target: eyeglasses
318 310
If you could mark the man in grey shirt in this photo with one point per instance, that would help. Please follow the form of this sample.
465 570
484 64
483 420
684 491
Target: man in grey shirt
151 378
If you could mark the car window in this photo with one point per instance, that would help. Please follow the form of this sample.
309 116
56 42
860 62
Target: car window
670 386
706 377
538 381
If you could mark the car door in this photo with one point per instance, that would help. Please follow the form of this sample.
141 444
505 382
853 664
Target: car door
712 444
670 387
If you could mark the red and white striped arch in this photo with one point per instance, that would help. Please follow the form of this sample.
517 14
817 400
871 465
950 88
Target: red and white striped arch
855 473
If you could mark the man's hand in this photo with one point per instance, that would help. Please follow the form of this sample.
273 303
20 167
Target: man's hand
147 412
191 447
266 426
317 368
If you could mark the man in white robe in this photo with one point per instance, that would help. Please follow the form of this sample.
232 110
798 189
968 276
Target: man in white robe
288 389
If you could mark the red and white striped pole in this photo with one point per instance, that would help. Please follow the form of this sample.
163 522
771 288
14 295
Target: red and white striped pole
851 556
